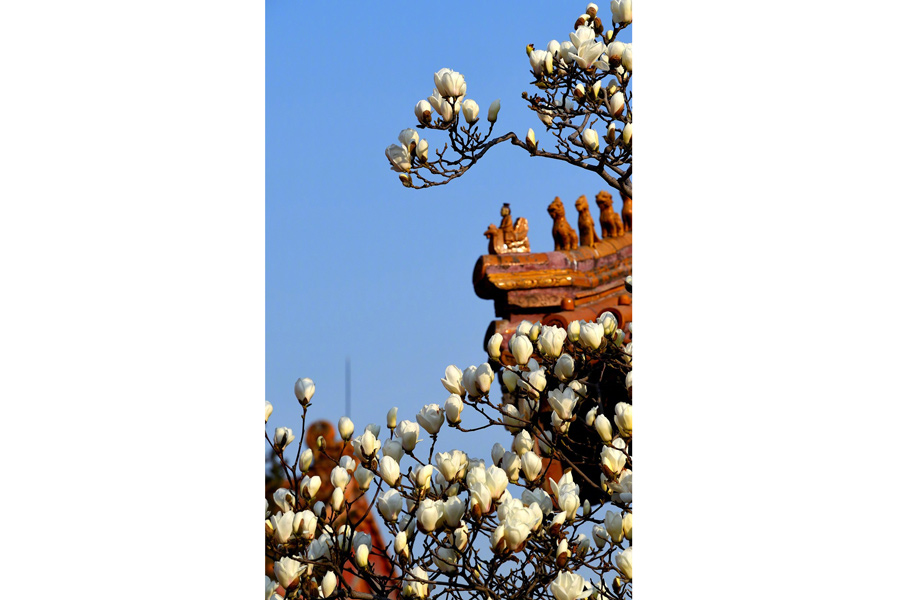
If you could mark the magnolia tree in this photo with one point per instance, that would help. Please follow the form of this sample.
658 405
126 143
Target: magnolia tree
549 517
582 98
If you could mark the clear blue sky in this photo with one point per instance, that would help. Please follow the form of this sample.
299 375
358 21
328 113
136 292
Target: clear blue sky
356 264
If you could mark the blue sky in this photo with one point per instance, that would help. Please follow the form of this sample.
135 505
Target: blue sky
357 265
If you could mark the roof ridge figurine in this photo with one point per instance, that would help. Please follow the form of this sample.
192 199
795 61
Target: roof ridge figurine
508 238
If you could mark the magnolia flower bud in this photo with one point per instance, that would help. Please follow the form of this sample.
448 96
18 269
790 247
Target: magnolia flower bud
510 380
363 478
511 464
522 443
615 51
406 180
337 499
390 470
603 428
623 418
283 437
497 452
617 104
400 543
562 553
423 112
591 10
531 465
428 515
493 348
345 428
454 509
623 561
422 151
530 141
394 449
269 410
392 418
423 476
453 407
521 348
573 331
626 134
590 140
431 417
470 111
494 110
409 138
452 381
591 335
613 458
329 582
613 523
610 136
627 57
304 390
621 13
389 505
362 556
409 435
626 525
564 367
340 477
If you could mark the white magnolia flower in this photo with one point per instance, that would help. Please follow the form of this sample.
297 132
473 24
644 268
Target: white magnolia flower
589 53
480 498
601 537
363 478
621 11
431 417
608 322
563 403
422 476
553 47
610 136
530 140
271 588
269 409
493 348
454 509
304 390
623 418
409 435
445 559
626 525
470 110
423 112
329 582
567 52
283 524
392 418
551 340
400 159
511 464
449 83
348 463
496 480
345 428
569 586
603 427
287 571
340 477
521 347
453 408
283 437
522 443
484 378
590 139
583 35
573 331
615 50
617 104
369 444
390 503
613 458
306 459
422 151
337 499
429 514
538 497
627 58
531 465
452 381
623 560
390 470
614 529
449 465
538 59
394 449
284 499
510 378
416 586
494 110
591 335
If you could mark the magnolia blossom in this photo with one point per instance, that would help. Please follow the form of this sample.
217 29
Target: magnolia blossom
539 498
610 133
478 380
422 151
531 465
337 499
389 504
521 347
369 444
627 58
304 389
452 381
590 140
416 586
453 408
423 112
390 470
287 571
493 348
623 561
449 465
400 159
568 586
511 464
617 104
573 331
608 321
470 110
449 83
541 62
310 486
480 498
345 428
306 459
431 417
588 53
409 138
626 525
340 477
392 418
614 529
551 340
284 499
269 409
494 110
621 11
422 475
612 457
563 403
530 140
445 560
510 377
623 418
603 428
522 443
283 437
615 50
329 582
363 478
362 556
453 510
591 335
409 435
394 449
583 35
